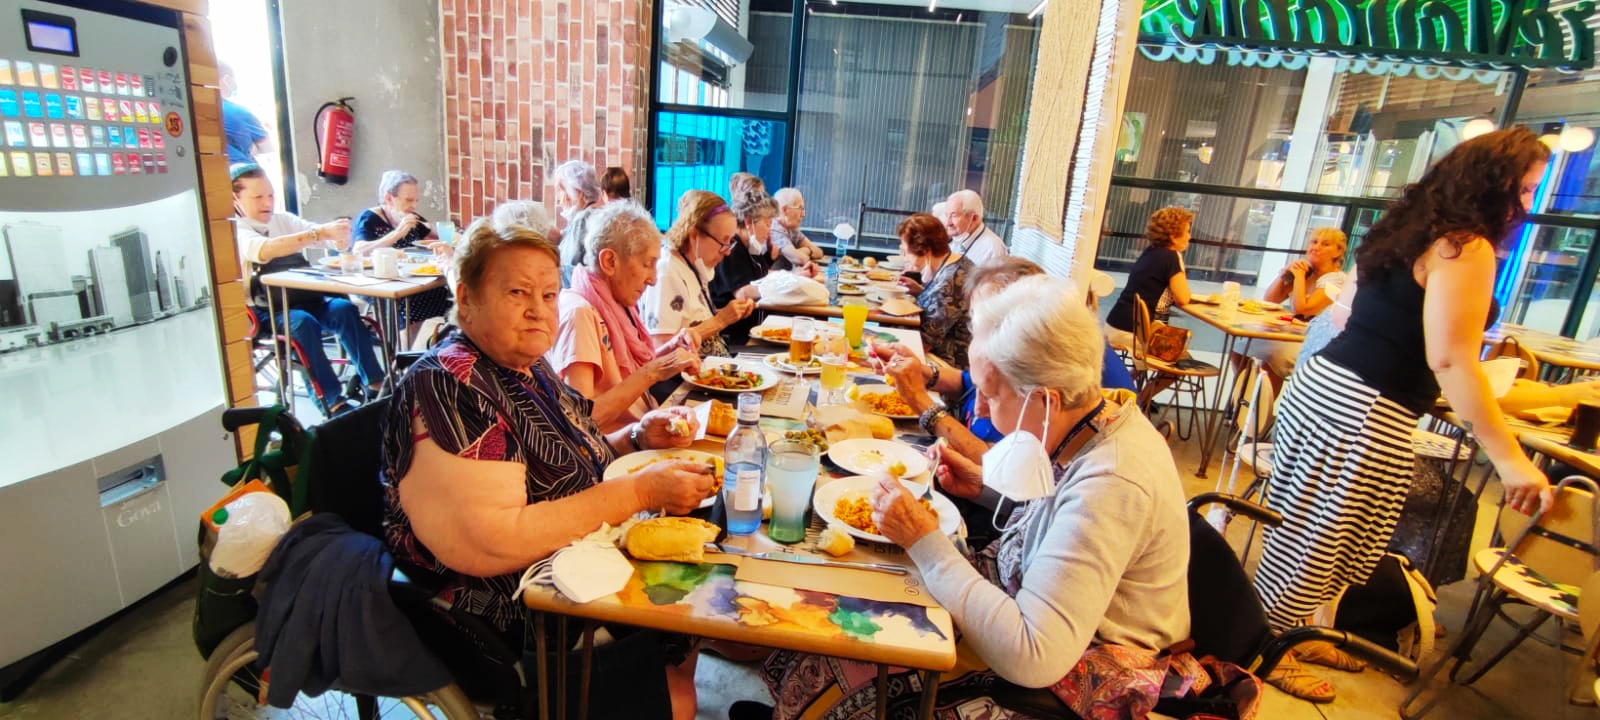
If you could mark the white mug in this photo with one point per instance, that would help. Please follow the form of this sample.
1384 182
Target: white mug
386 263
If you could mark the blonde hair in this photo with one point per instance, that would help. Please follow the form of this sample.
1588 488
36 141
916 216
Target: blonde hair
1041 335
1167 223
483 241
694 209
1333 234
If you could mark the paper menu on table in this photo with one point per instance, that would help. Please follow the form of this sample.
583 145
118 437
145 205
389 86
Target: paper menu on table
357 280
787 399
849 582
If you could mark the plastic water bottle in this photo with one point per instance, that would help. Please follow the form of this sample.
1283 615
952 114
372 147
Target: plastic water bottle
745 467
1229 307
247 530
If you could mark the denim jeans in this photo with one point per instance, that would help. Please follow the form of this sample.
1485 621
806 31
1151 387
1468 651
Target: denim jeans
306 325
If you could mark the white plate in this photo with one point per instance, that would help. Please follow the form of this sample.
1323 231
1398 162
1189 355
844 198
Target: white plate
864 389
332 262
411 271
633 462
891 265
865 456
827 495
780 361
768 378
844 289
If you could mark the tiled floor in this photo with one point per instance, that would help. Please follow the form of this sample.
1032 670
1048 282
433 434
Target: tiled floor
144 665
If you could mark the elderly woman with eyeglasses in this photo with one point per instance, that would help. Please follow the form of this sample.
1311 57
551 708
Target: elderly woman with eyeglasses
1090 572
491 463
602 348
681 298
395 223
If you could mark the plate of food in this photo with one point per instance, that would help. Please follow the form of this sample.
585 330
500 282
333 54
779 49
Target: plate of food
732 378
780 361
881 275
424 270
634 462
333 262
848 502
848 289
1259 306
852 277
869 456
882 400
771 334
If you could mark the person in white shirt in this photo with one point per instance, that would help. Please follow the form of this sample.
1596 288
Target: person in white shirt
969 235
786 234
702 235
272 242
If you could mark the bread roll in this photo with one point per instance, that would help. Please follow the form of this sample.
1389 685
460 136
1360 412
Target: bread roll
722 419
836 541
674 539
872 262
882 428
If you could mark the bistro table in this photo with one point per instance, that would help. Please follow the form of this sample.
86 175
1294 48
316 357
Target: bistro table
387 297
708 601
1249 327
836 300
1549 348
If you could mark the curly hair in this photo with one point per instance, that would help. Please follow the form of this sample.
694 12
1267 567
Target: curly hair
1473 192
752 207
924 235
694 209
1167 223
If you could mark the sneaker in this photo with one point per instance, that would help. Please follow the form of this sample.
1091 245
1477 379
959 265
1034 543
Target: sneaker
750 710
339 406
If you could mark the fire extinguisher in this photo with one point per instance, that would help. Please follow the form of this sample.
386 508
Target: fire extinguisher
336 136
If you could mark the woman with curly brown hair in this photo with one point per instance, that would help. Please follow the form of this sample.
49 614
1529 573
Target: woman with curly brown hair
1343 458
1157 276
942 292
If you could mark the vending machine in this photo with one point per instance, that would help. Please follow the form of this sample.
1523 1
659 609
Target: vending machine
111 375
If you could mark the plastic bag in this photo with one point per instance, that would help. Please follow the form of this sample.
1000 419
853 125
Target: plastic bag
247 533
787 288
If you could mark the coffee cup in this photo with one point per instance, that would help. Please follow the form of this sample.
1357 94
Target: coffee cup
386 263
1585 426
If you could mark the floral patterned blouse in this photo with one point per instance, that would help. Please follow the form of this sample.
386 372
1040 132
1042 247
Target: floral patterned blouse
481 411
946 331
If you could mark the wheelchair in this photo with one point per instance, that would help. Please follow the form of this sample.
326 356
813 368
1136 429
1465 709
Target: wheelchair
336 469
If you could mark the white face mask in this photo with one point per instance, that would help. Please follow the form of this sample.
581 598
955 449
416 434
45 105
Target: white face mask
1019 467
705 273
757 246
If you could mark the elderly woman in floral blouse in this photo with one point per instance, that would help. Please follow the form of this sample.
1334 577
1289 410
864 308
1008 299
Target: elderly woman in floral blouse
941 292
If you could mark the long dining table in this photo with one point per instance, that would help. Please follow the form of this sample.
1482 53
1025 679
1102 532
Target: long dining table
1250 327
757 602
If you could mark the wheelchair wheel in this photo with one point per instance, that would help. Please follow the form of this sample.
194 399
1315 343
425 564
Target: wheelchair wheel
231 687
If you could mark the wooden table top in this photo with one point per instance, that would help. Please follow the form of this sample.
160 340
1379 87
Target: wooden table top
707 601
315 282
835 311
1549 348
1548 440
1255 326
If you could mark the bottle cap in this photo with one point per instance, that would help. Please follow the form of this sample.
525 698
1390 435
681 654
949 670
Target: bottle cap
220 516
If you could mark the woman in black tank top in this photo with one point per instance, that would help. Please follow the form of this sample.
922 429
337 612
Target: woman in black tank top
1343 458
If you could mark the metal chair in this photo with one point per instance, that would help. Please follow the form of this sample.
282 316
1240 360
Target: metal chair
1550 558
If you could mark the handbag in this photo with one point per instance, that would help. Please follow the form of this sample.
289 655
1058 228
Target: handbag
1167 343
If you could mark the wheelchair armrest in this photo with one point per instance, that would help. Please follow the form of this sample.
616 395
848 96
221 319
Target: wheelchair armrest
235 418
1258 513
404 360
475 629
1351 643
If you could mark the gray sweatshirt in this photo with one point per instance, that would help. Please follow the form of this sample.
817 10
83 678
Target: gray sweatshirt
1106 564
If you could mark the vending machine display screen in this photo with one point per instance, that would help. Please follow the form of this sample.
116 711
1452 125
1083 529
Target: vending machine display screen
50 33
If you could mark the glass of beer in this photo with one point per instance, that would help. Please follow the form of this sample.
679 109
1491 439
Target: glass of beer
801 336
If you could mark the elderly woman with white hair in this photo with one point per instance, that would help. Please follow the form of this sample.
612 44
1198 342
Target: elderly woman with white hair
602 348
577 194
395 223
1091 570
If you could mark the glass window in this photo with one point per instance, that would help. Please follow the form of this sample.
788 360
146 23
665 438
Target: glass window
1546 279
700 152
1562 107
900 107
725 53
1293 122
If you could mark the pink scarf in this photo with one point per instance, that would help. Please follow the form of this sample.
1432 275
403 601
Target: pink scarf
624 326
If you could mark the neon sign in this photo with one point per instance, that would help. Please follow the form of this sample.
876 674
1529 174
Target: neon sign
1492 34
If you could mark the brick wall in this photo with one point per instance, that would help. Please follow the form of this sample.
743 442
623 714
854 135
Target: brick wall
529 85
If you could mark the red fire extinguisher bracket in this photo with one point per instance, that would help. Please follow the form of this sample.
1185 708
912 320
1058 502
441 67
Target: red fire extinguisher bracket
335 132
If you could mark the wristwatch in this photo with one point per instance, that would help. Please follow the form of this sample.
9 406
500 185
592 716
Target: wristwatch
933 379
633 436
930 417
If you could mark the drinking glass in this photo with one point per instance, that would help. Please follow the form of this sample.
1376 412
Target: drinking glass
801 336
792 468
446 231
349 264
855 320
833 377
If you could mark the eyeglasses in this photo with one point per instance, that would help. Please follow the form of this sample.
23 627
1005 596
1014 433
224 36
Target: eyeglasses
722 246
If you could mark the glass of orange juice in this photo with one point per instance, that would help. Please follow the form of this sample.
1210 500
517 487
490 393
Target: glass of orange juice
855 320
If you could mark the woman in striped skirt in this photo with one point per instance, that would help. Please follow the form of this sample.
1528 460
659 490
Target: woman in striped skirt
1343 458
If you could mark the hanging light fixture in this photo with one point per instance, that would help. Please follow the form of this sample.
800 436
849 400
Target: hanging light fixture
1551 140
1476 127
1575 138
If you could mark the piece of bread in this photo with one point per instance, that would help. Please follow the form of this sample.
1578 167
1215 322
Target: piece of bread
836 541
872 262
722 419
899 307
882 428
675 539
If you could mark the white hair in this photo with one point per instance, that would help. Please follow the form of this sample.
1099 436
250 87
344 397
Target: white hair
530 214
1041 335
966 201
939 209
392 181
622 227
787 196
578 177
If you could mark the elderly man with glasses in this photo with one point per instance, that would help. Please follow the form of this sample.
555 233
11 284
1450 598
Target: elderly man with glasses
969 234
786 234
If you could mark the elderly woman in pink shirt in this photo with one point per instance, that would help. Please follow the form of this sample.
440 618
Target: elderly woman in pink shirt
602 350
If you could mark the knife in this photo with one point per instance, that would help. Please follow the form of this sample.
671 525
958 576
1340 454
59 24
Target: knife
813 560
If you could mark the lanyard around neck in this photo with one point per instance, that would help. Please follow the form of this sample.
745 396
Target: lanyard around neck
705 292
973 237
1078 427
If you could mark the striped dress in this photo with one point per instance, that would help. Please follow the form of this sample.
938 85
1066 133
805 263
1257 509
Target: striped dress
1341 466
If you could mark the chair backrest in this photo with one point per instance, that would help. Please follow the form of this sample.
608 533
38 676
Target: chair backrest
1559 544
1226 618
1141 328
346 462
1510 347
